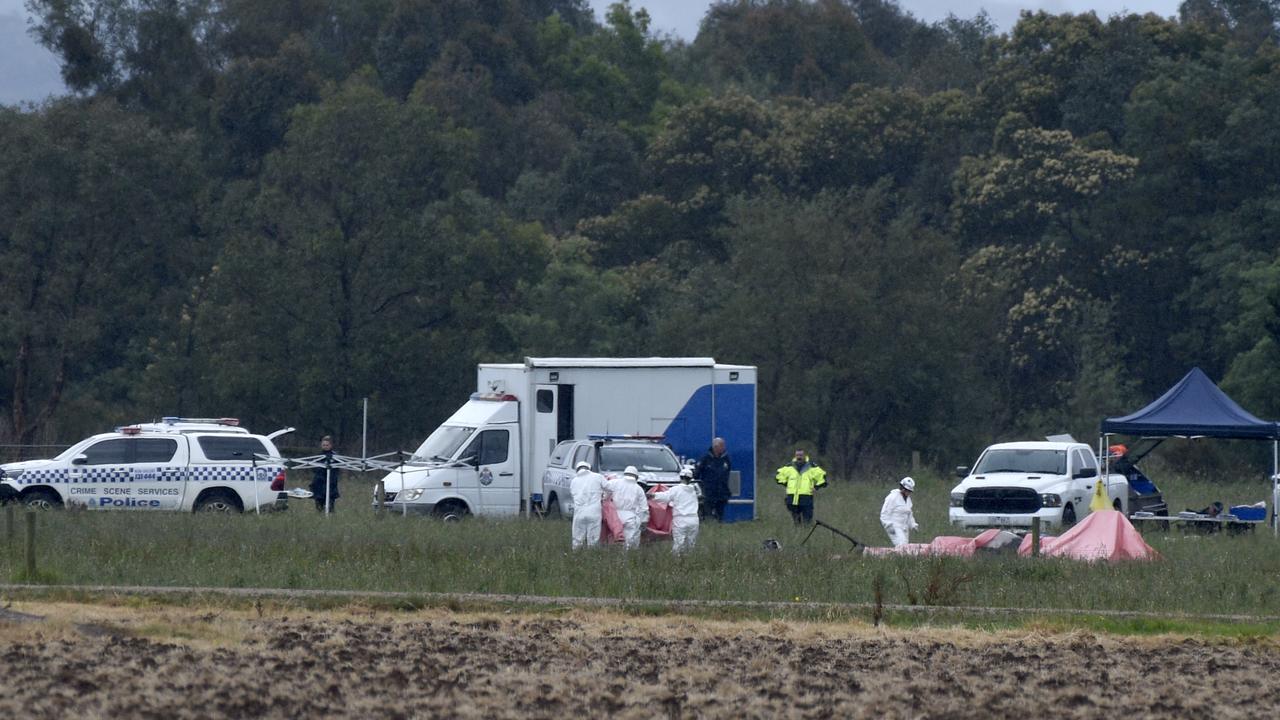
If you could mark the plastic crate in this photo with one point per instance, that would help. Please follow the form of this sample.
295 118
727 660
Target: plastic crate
1249 513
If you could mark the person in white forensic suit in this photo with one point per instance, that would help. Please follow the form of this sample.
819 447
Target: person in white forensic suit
630 502
896 514
683 499
587 489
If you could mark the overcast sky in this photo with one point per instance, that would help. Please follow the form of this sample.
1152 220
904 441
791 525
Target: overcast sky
29 72
682 16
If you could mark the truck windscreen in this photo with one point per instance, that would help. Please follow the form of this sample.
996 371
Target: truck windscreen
1045 462
442 443
645 459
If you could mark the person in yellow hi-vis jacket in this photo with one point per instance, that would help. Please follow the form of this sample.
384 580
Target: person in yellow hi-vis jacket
801 477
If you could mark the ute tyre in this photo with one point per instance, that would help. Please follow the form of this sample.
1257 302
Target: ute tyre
553 509
218 502
1068 515
42 499
451 512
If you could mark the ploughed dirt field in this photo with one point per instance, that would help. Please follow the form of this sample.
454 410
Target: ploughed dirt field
100 661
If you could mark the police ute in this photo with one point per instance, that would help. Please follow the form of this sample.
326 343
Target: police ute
609 455
192 464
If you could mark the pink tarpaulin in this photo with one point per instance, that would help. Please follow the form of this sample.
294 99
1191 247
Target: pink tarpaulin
1102 535
610 523
659 527
946 545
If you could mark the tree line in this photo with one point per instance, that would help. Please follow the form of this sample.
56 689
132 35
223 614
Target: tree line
927 236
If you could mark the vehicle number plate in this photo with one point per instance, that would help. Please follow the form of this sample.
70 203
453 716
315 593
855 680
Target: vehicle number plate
999 520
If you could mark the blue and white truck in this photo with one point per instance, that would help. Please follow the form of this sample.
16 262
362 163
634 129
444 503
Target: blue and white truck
490 456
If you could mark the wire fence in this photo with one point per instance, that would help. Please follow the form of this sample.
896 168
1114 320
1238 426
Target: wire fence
17 453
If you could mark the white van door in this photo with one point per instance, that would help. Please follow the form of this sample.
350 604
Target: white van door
495 456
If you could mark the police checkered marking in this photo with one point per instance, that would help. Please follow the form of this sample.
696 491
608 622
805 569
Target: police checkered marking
42 477
119 474
106 474
233 473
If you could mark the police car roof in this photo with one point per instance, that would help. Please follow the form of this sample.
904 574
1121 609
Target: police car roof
185 428
189 425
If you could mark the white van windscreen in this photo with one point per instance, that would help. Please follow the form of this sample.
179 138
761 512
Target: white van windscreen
646 459
442 443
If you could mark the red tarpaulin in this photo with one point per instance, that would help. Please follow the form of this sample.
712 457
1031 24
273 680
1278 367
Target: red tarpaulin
659 527
1102 535
948 545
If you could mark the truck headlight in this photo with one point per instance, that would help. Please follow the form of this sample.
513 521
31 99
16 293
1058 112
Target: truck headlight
957 499
1051 500
411 495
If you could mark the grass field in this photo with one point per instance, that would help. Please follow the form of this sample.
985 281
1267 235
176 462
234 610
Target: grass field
353 550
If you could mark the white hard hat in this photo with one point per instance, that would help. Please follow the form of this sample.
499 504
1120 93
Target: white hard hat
631 471
582 464
686 473
908 484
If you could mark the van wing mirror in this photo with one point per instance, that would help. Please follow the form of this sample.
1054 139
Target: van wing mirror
1087 472
962 471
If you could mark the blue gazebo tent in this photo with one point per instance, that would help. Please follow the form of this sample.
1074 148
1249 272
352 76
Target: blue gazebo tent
1196 407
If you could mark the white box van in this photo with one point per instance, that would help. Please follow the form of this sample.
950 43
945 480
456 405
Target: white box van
490 456
175 464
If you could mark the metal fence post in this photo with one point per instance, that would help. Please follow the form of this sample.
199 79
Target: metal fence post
10 524
31 545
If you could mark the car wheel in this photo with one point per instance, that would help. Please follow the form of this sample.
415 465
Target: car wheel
218 502
1068 515
42 499
553 509
451 512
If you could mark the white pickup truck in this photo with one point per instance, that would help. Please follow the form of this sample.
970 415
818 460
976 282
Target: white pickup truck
1015 482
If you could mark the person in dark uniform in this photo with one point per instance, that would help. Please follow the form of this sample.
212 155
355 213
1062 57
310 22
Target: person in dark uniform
318 480
712 473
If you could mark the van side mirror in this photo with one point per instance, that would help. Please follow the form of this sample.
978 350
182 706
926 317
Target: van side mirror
962 471
1086 473
80 459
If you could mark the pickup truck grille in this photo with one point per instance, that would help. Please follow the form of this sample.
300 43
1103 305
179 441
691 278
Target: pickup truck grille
1001 501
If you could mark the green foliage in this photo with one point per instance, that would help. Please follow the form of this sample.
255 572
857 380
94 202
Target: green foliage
96 214
928 236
